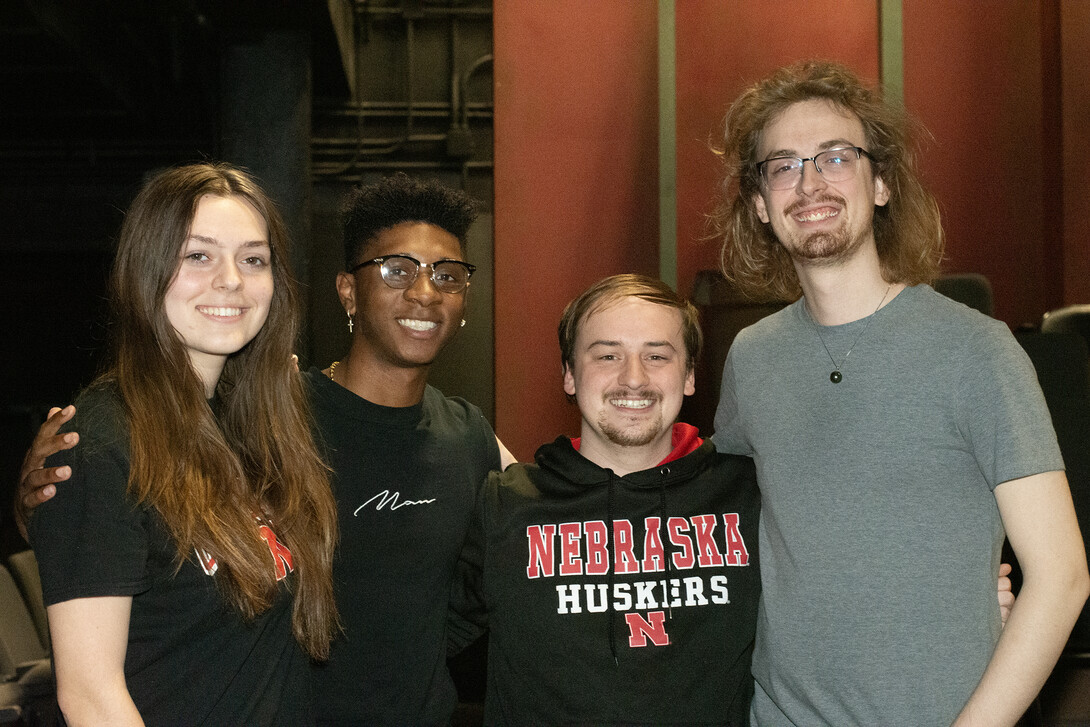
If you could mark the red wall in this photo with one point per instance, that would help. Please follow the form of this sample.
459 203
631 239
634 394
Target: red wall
1075 49
576 179
984 105
723 47
1004 93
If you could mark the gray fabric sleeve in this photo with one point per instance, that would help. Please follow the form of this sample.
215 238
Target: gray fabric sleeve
1005 416
729 437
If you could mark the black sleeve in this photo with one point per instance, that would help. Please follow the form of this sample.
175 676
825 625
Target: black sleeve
90 539
467 617
488 448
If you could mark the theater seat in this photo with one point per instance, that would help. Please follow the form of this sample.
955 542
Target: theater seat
26 675
972 289
1072 319
24 568
723 313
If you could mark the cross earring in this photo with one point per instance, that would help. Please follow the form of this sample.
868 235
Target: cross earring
350 322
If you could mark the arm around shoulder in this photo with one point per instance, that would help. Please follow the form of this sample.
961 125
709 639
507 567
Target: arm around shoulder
37 483
90 638
1040 521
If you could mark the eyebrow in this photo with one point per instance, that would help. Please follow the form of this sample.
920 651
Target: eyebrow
645 344
412 256
213 241
824 146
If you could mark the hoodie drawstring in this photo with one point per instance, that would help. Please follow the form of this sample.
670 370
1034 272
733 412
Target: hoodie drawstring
612 568
665 471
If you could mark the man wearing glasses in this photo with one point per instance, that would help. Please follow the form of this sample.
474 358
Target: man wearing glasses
896 433
407 462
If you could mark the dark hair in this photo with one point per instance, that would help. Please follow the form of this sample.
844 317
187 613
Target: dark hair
611 290
376 207
907 230
208 476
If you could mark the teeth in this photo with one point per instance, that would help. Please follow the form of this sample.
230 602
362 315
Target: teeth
417 325
817 215
220 312
632 403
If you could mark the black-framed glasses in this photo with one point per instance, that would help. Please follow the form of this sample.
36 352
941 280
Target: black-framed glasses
400 271
835 165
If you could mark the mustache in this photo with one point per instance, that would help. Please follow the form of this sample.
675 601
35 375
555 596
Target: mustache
824 197
629 394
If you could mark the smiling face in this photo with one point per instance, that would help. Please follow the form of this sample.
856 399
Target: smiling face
403 328
819 222
629 376
220 295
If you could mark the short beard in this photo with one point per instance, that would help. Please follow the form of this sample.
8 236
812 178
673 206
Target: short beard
824 248
631 436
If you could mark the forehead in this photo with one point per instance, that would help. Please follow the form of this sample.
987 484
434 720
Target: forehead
632 322
807 127
227 219
423 241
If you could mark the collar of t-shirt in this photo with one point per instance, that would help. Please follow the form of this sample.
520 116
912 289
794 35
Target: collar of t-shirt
685 439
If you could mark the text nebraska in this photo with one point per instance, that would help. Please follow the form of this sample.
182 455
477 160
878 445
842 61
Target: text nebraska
582 548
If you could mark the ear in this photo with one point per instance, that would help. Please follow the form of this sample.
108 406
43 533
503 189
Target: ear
690 383
881 192
346 291
569 381
760 207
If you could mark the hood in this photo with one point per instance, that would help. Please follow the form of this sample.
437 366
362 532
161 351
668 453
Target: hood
575 473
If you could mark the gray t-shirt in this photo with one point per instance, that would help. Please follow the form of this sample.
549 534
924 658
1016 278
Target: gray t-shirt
880 535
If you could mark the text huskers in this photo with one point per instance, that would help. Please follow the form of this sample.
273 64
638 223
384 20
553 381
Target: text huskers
576 550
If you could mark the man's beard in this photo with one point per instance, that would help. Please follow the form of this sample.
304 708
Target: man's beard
827 247
633 435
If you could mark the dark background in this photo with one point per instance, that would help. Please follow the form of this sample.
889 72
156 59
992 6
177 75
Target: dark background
312 97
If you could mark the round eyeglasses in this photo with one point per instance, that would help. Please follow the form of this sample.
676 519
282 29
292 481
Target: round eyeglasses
835 165
400 271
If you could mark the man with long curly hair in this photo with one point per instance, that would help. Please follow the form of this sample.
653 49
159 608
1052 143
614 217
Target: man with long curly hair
897 434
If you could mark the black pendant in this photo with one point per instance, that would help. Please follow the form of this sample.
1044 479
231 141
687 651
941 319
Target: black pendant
836 377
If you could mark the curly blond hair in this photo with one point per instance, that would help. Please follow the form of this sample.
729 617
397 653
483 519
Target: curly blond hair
907 230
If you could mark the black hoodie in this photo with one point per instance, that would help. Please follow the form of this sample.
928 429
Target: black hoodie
653 640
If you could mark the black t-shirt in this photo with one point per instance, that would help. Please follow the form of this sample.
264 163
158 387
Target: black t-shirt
191 659
405 480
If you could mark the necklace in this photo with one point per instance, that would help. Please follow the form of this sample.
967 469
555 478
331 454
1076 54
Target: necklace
836 377
333 367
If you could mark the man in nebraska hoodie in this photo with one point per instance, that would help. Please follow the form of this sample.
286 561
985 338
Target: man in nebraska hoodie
618 574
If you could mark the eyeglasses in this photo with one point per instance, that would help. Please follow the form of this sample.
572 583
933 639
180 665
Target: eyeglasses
835 165
400 271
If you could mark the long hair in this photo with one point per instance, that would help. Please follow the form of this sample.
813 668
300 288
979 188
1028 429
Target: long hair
209 476
907 230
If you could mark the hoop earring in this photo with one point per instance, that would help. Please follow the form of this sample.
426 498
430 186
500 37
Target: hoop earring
350 322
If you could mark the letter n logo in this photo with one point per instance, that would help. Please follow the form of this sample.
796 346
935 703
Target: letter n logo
280 553
208 563
639 630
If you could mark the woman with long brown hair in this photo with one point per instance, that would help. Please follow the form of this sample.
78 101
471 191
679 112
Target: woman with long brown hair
197 537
